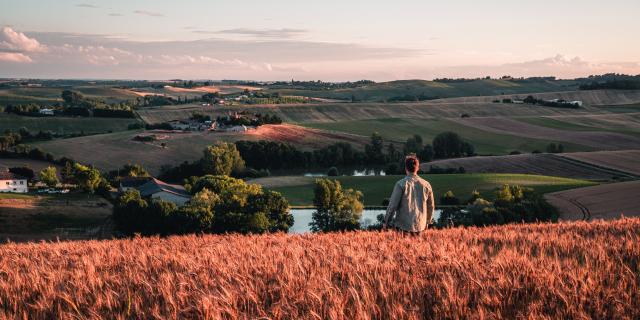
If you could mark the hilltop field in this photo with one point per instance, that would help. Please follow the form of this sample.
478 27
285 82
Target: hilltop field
562 271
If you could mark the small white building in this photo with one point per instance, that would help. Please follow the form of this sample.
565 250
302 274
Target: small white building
576 103
241 128
46 112
11 182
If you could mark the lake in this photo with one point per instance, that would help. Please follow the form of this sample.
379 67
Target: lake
355 173
302 218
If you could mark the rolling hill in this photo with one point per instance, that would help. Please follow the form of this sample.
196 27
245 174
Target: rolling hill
405 89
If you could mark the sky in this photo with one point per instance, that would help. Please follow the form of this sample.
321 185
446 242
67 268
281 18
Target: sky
317 40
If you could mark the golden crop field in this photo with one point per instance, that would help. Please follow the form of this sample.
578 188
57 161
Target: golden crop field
573 270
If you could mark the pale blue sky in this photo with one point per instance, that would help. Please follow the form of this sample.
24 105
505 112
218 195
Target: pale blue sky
330 40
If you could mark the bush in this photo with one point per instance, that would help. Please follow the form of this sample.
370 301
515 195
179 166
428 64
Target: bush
449 199
333 172
336 209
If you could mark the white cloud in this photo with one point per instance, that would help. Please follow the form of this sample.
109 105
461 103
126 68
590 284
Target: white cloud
148 13
259 33
87 5
14 57
18 41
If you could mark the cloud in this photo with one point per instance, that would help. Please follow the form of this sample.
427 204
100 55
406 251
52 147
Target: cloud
115 14
14 57
260 33
18 41
87 5
148 13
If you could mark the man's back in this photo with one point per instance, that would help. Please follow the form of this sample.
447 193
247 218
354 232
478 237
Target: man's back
411 204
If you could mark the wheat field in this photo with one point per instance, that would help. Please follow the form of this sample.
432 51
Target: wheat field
573 270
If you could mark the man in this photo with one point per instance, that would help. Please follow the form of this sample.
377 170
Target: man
411 204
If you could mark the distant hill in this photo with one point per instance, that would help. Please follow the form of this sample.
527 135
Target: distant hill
412 90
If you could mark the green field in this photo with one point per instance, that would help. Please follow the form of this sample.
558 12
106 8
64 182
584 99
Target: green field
400 129
50 95
64 125
586 123
299 190
388 90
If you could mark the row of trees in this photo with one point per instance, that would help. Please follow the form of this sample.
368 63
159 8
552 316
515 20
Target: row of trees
275 155
219 204
511 204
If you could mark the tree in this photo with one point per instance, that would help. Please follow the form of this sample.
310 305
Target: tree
23 172
336 209
374 150
71 97
413 145
426 154
133 170
49 176
241 207
449 199
333 172
448 145
88 179
222 159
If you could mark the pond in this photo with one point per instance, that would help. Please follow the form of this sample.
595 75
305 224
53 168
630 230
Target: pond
354 173
302 218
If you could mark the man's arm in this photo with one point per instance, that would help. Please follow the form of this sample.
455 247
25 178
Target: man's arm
393 204
431 206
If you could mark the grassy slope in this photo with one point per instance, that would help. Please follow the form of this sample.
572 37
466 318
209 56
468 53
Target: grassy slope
64 124
385 90
568 125
401 129
37 216
542 271
376 189
49 95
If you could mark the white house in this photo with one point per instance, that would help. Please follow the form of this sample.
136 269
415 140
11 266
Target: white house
10 182
576 103
241 128
46 112
156 189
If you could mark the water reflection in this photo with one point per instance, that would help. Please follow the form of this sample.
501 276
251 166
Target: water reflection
302 218
355 173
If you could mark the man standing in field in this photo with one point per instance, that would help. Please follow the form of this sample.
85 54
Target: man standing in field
411 204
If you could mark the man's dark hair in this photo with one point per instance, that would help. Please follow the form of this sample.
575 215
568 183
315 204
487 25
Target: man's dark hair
411 163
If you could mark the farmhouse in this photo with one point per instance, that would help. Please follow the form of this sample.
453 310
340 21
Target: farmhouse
10 182
156 189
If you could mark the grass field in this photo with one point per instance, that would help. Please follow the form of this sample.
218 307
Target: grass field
572 270
581 124
387 90
605 201
119 148
64 125
299 190
33 217
400 129
605 166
